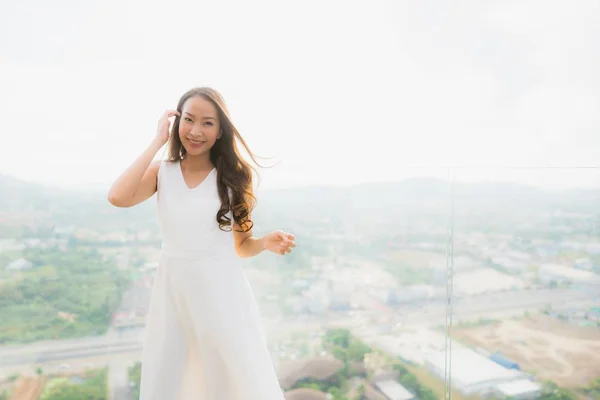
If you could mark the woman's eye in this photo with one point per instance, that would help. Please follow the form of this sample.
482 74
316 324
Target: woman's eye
188 119
209 123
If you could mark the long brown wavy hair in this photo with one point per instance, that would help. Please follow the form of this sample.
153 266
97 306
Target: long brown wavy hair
233 172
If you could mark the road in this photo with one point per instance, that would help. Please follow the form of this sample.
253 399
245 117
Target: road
50 354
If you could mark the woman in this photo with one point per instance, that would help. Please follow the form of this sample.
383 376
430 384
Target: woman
204 338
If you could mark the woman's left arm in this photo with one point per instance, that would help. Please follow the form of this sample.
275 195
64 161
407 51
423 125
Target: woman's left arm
246 245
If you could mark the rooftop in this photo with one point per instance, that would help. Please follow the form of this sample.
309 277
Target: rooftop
393 390
471 368
519 387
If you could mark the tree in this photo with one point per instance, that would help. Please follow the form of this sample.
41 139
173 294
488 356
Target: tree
74 282
337 393
93 388
410 382
357 350
339 353
134 373
595 386
400 368
551 391
361 389
338 336
426 394
67 391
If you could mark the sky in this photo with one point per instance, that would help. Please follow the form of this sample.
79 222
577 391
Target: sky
336 92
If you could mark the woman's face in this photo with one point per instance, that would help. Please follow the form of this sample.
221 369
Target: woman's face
199 126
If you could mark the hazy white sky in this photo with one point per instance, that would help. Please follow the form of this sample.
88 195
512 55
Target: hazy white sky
338 91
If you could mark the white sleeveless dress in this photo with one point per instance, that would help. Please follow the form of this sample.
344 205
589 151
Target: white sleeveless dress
204 339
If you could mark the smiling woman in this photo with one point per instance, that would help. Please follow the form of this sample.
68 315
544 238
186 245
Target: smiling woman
205 128
204 335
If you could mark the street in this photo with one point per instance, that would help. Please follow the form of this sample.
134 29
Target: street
120 350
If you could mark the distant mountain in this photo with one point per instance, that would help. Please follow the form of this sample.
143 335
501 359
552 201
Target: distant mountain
435 195
68 207
419 195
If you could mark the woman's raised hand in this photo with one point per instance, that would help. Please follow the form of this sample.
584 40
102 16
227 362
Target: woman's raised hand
164 126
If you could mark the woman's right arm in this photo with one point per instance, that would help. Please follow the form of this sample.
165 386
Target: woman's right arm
139 182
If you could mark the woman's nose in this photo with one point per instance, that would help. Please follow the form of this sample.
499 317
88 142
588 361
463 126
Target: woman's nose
196 132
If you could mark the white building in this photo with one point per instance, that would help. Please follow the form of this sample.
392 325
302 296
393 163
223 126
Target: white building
560 273
19 265
471 372
485 280
392 390
519 390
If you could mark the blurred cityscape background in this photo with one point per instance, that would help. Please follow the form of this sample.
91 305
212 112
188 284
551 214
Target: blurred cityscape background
437 161
358 311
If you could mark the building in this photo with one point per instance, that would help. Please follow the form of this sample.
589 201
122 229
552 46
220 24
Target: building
19 264
472 373
519 390
485 280
392 390
372 393
504 361
562 274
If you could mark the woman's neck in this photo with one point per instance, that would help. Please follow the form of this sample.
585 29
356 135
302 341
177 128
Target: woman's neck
197 163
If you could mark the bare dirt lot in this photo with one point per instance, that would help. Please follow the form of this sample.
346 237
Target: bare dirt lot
28 388
567 354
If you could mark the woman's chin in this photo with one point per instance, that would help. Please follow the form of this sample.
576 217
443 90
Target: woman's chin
196 150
